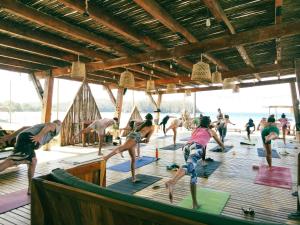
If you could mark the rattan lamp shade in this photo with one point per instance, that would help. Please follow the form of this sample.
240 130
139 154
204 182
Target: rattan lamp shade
228 83
216 77
78 69
171 88
126 80
188 93
201 72
150 85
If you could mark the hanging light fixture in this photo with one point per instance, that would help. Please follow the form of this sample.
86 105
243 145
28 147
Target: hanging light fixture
86 10
143 68
126 79
78 69
228 83
188 93
207 22
150 85
171 66
201 72
216 77
171 88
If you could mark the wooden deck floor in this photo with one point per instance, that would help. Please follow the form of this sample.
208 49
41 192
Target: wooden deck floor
235 175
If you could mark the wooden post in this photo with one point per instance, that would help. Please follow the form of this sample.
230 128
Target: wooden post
297 72
194 105
47 99
159 98
119 103
295 105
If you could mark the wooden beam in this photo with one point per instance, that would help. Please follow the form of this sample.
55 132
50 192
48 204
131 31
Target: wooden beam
37 85
153 8
24 56
47 99
220 43
242 85
22 64
46 20
219 14
119 103
297 72
278 12
15 69
111 95
295 102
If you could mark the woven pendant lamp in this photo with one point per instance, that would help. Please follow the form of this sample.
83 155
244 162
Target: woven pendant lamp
78 69
236 88
188 93
150 85
126 79
171 88
216 77
228 83
201 72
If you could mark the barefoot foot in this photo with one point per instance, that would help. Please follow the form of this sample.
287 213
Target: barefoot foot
169 186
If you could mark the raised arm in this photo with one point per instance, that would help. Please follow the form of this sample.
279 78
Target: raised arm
217 139
49 127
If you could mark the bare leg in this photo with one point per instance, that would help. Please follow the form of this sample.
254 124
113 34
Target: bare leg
31 169
138 150
194 196
268 154
131 152
130 143
170 183
283 134
101 140
6 163
175 133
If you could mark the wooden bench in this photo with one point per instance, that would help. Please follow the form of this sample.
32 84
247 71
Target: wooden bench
61 198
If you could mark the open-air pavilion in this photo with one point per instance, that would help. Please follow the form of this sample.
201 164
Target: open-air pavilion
156 46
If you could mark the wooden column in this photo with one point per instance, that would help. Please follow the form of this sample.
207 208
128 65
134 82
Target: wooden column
295 103
47 99
194 104
119 103
159 98
297 72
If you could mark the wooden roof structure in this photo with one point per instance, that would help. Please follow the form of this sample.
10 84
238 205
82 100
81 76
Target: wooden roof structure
157 39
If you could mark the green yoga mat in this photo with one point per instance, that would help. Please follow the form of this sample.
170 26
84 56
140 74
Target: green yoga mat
211 201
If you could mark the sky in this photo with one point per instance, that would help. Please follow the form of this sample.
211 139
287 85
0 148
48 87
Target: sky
248 100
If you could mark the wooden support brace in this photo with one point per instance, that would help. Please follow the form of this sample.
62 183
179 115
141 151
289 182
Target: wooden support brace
37 85
111 95
119 103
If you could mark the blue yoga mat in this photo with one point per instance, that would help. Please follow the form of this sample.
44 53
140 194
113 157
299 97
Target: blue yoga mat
127 187
208 169
125 166
261 153
172 147
218 149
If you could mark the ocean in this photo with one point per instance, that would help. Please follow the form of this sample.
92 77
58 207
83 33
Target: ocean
19 119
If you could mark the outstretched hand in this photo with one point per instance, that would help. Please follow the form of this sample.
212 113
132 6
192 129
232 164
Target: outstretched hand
36 139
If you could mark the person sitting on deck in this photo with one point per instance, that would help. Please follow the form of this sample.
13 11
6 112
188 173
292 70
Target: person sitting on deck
222 127
144 130
270 132
197 142
263 122
27 141
175 123
9 140
284 125
248 126
99 126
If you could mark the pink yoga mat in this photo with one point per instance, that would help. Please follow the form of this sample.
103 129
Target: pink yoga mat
14 200
274 177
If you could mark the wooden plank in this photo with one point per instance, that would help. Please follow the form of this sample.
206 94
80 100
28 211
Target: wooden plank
15 69
47 99
22 64
242 38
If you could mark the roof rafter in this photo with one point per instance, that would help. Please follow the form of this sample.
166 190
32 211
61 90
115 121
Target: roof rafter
153 8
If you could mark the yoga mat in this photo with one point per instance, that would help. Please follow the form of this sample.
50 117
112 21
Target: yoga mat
208 169
261 153
275 177
127 187
218 149
247 143
14 200
125 166
211 201
5 154
287 145
162 137
81 159
172 147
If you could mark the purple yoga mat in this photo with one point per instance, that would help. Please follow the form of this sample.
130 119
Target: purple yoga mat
14 200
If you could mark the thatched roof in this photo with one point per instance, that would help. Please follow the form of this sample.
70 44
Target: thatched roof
245 38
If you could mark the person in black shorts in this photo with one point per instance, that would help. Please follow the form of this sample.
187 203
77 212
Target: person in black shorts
248 126
164 122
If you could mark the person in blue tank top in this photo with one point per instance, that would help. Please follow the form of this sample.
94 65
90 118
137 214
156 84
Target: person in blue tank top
27 142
